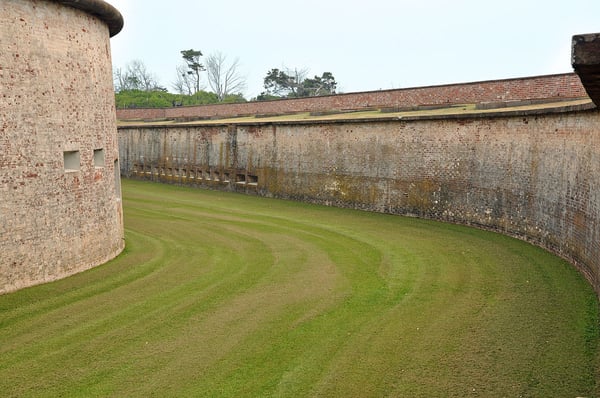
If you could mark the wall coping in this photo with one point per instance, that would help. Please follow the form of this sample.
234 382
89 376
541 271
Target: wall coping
100 9
431 86
590 106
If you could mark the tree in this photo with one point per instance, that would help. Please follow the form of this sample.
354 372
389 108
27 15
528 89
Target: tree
284 83
224 79
276 83
135 76
293 84
184 84
323 85
192 60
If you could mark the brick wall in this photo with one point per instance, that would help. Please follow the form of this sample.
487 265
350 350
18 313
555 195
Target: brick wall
529 88
534 176
56 103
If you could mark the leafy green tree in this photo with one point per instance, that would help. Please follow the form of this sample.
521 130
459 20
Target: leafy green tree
284 83
294 84
276 83
192 60
320 85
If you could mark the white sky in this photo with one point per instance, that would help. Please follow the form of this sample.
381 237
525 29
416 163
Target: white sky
367 45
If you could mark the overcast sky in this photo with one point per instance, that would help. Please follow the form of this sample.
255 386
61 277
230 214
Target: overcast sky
367 45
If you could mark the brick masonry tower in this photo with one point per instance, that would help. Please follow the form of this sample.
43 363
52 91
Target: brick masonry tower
60 199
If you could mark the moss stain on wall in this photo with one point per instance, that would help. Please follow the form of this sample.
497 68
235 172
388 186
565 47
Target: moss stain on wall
504 173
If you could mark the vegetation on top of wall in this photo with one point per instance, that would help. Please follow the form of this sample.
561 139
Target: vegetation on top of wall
137 87
295 84
164 99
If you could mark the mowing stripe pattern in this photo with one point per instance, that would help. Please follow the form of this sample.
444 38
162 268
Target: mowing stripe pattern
226 295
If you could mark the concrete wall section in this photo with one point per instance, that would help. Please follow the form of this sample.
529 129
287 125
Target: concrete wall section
535 177
60 212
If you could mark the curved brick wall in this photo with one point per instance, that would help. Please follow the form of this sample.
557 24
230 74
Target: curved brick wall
60 208
533 176
562 86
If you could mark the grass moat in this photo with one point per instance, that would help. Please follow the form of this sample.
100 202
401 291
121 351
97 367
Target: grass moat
225 295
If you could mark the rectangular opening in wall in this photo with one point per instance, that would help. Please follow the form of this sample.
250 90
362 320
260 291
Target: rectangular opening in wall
98 157
117 172
72 161
240 179
252 180
226 177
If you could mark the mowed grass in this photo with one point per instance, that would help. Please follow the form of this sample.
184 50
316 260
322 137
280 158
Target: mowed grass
225 295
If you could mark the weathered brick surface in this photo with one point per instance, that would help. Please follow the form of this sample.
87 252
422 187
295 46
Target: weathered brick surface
56 95
528 88
536 177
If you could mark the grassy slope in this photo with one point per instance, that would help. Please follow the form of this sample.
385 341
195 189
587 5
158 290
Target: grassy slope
228 295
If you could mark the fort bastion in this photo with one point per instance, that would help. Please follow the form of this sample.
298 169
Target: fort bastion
60 201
